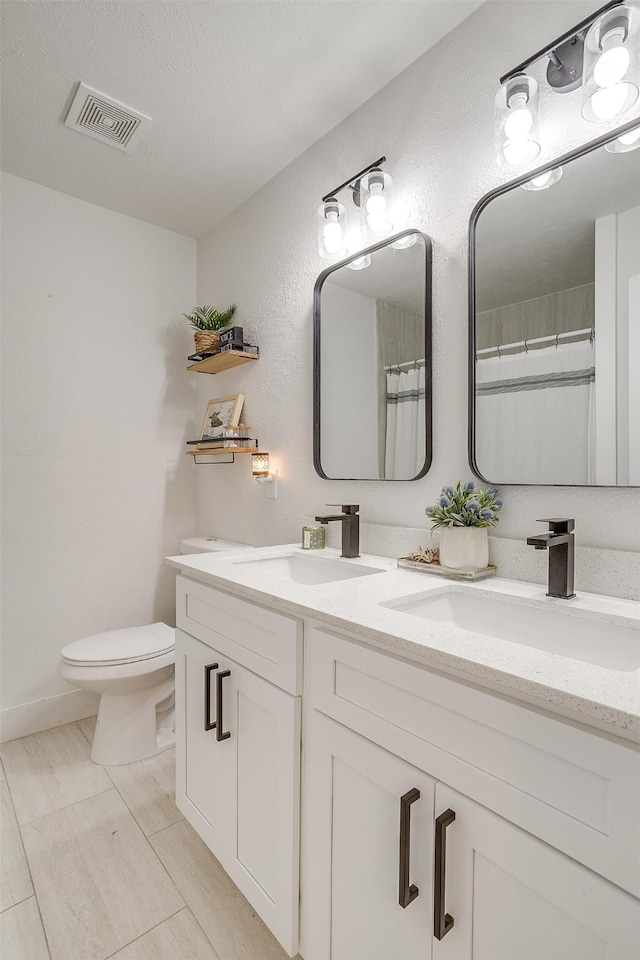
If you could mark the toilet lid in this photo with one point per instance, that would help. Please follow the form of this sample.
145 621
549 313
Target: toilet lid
121 646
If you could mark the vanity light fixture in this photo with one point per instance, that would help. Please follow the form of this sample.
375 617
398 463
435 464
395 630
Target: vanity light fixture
625 142
405 242
600 54
543 180
360 263
371 192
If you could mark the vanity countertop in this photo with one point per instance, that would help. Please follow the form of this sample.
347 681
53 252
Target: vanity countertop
596 695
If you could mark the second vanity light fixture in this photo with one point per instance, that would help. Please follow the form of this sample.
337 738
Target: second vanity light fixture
600 54
368 219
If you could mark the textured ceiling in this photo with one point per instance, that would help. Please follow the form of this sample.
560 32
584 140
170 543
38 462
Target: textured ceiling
236 90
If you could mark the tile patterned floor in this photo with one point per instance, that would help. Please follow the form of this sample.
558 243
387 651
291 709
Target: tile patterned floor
97 862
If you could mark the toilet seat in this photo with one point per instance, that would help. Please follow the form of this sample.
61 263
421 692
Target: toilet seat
120 646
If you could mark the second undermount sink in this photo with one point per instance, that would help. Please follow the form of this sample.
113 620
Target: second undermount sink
601 643
309 570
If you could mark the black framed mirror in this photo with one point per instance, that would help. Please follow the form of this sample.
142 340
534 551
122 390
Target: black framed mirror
372 363
554 321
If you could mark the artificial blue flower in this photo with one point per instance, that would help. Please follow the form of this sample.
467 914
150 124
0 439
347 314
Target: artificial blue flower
448 491
473 505
492 491
486 513
444 502
469 485
429 511
498 503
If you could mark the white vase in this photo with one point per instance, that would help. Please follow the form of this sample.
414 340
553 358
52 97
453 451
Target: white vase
464 548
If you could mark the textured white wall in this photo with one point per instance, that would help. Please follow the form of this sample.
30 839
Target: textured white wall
434 123
96 405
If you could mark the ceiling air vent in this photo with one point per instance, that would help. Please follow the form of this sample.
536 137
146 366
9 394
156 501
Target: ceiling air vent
105 119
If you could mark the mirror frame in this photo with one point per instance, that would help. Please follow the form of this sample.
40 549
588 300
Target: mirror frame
317 290
473 220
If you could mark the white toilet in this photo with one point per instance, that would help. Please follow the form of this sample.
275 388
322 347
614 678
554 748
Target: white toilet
133 670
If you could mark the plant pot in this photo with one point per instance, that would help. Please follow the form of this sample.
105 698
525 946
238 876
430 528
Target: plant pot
207 341
464 548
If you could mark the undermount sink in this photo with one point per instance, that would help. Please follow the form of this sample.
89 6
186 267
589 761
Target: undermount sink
603 644
309 570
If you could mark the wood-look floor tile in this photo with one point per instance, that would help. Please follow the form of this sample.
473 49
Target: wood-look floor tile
15 882
98 882
88 728
21 933
148 789
51 770
226 917
178 938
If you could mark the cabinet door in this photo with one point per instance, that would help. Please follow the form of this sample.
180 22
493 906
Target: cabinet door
512 897
204 771
352 843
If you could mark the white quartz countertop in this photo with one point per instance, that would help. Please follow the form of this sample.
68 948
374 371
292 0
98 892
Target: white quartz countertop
606 698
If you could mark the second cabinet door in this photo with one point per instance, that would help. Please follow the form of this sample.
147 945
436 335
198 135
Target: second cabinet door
513 897
238 783
352 875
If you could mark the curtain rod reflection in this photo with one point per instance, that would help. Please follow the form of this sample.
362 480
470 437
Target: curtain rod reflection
519 345
405 365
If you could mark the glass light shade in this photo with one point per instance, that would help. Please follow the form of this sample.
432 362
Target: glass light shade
628 141
517 125
543 180
611 64
332 224
375 204
260 464
361 263
405 242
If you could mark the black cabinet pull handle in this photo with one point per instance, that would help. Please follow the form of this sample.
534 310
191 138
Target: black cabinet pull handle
219 678
208 723
407 892
442 921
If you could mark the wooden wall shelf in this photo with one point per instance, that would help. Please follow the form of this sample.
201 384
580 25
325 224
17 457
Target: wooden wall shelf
203 452
222 361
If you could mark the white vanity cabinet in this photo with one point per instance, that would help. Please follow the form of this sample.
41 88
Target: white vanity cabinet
238 746
539 812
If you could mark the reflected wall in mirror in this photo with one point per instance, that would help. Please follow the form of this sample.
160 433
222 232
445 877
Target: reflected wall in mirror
555 325
372 363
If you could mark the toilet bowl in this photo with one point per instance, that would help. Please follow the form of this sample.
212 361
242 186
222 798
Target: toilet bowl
133 671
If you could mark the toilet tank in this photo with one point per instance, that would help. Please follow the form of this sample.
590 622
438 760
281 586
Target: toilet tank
210 545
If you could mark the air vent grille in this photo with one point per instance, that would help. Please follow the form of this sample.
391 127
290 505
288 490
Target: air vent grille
102 118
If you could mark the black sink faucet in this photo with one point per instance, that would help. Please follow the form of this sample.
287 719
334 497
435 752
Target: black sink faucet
350 527
560 544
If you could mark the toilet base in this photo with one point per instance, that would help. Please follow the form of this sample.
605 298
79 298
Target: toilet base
134 726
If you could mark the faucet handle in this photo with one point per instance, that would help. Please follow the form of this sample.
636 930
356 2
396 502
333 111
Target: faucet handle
559 524
346 507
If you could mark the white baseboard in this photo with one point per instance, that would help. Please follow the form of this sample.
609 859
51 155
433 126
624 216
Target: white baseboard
38 715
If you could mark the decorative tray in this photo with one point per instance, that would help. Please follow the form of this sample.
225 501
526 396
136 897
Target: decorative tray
448 572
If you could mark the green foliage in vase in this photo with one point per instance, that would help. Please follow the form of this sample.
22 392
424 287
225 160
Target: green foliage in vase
465 505
208 318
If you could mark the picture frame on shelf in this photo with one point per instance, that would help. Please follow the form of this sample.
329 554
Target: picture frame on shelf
221 413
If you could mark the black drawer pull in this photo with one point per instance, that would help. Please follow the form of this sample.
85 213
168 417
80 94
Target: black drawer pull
208 723
407 892
219 678
442 921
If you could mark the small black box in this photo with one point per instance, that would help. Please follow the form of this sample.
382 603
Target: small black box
233 336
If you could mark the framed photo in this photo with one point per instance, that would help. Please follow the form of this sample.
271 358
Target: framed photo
221 413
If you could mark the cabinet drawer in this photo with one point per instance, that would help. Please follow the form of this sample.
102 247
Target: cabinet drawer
268 643
576 790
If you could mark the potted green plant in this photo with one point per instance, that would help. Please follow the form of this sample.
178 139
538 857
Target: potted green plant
463 515
207 322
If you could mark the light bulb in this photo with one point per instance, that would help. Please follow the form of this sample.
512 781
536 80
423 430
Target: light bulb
376 203
518 124
608 102
360 263
544 180
611 66
405 242
332 234
520 151
632 137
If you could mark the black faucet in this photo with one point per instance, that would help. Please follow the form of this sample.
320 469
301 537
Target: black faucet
560 543
350 527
